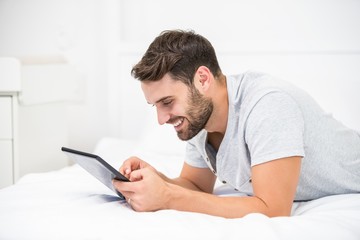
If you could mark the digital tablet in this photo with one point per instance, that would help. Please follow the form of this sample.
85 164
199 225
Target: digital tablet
97 167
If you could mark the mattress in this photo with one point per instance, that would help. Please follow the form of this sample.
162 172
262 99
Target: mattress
71 204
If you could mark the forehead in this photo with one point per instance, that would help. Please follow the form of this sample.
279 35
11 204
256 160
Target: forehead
154 91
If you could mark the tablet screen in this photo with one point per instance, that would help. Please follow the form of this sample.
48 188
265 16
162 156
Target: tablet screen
97 167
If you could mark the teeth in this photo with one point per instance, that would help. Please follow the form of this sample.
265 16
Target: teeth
178 122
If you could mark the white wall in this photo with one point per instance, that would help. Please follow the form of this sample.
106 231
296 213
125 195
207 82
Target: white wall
68 29
313 43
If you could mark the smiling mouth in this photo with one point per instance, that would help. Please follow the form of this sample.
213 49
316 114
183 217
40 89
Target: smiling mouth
178 122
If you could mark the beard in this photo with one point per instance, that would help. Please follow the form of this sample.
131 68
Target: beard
199 111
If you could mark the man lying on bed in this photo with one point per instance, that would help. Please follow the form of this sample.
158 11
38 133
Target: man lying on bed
262 136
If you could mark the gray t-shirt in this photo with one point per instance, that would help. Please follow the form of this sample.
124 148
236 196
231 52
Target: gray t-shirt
270 119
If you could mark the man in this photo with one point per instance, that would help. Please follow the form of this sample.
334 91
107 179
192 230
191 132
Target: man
262 136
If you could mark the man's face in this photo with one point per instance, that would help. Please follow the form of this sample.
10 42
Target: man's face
199 110
177 104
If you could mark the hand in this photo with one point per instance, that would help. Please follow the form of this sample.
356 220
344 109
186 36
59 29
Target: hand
132 164
148 193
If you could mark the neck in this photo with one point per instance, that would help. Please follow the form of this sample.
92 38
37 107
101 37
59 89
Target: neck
218 119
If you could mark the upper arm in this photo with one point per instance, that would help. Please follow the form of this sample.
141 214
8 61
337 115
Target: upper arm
275 138
275 129
275 183
202 178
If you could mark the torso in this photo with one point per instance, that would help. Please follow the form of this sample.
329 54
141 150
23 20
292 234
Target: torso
255 101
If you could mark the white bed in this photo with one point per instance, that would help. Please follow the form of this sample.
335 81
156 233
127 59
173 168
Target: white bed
71 204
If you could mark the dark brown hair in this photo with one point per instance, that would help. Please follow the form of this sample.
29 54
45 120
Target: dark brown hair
179 53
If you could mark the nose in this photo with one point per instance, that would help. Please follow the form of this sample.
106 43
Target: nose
163 116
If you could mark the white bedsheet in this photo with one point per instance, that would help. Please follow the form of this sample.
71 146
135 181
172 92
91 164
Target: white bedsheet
71 204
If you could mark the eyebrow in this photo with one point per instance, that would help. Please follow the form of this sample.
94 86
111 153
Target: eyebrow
161 99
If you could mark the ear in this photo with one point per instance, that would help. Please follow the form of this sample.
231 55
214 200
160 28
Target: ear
202 79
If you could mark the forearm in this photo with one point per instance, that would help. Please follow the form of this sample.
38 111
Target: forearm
228 207
179 181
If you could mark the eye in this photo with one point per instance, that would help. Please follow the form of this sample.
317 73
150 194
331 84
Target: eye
167 102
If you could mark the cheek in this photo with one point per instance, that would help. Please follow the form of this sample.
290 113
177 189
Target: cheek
176 112
180 110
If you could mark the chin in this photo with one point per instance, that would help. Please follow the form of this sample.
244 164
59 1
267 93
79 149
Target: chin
185 136
182 138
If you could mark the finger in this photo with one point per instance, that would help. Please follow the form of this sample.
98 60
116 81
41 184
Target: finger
136 175
140 174
132 203
124 187
127 195
125 168
130 165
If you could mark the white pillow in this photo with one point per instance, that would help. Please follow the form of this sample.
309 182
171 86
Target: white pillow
161 139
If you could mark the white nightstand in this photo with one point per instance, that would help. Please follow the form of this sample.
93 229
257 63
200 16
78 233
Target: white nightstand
9 88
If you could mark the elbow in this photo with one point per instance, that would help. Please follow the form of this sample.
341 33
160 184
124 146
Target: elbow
278 213
275 209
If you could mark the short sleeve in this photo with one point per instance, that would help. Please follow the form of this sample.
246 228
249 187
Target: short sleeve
193 156
274 128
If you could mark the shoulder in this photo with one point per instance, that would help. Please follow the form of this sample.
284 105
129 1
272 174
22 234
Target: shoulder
275 128
246 90
251 86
